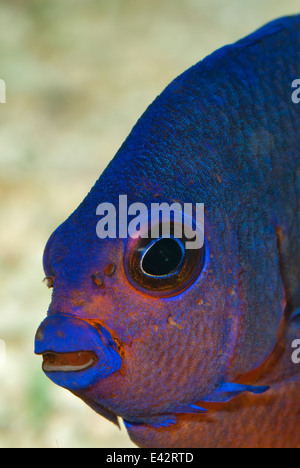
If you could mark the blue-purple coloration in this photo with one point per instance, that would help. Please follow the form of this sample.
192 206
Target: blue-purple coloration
210 365
77 335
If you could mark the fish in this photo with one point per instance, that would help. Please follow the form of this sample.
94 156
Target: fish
192 347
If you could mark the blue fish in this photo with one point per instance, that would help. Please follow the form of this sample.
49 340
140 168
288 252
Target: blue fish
192 348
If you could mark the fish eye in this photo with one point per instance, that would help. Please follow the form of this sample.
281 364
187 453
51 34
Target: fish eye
163 257
162 267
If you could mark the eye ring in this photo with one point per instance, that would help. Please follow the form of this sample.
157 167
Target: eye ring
170 283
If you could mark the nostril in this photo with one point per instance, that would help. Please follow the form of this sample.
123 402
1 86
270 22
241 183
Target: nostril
49 281
110 269
97 280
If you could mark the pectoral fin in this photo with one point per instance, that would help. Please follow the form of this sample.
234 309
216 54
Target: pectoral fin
192 409
228 390
157 421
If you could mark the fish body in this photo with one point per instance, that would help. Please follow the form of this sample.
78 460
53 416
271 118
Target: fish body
199 357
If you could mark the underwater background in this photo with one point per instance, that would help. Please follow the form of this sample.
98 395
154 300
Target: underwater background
78 76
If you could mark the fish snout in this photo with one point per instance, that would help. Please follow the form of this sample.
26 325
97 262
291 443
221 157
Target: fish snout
75 353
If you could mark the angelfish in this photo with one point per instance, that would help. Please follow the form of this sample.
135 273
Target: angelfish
193 348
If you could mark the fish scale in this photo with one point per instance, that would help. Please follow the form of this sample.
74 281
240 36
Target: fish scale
208 365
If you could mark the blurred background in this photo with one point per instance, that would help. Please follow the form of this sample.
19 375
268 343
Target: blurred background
78 75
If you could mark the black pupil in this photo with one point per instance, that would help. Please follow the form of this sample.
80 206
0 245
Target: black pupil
162 258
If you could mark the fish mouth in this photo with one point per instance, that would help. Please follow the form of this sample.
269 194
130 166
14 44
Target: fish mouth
68 362
76 353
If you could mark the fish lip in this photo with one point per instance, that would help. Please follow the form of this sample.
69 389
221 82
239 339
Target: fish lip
54 361
60 335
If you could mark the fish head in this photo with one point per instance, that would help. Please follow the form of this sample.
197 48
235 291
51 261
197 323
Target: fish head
120 319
